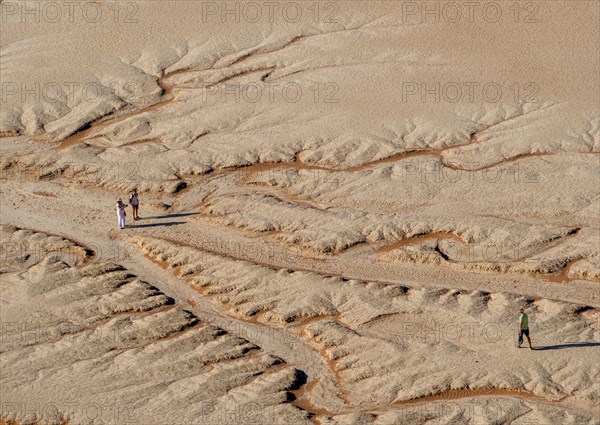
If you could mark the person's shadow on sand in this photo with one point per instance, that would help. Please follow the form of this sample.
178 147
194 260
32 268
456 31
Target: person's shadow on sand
571 345
169 223
156 217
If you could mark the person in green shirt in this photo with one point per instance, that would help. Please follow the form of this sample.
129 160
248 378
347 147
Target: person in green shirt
524 327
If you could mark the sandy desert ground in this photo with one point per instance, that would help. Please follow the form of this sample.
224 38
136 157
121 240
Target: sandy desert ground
344 204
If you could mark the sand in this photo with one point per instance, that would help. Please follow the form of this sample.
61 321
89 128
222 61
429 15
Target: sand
343 204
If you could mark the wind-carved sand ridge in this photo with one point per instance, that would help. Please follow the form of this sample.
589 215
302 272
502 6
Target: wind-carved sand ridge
93 129
123 318
168 98
191 265
322 324
251 212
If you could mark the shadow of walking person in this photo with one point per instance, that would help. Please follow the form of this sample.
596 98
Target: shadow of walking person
169 223
174 215
570 345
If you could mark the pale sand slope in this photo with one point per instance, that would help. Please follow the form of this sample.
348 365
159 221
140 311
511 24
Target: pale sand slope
366 208
376 344
369 57
373 336
94 343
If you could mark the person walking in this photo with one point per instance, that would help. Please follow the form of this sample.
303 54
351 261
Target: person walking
121 213
524 327
135 203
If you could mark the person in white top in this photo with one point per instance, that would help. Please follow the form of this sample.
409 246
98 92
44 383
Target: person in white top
121 213
135 203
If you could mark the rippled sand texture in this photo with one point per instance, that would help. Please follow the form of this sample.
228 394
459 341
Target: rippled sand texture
341 212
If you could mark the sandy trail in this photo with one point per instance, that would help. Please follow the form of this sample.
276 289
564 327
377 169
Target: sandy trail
281 342
234 244
45 213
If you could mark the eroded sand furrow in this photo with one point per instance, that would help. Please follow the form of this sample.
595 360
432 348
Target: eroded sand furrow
303 394
279 341
93 129
302 360
170 345
186 262
95 132
238 246
262 212
462 394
